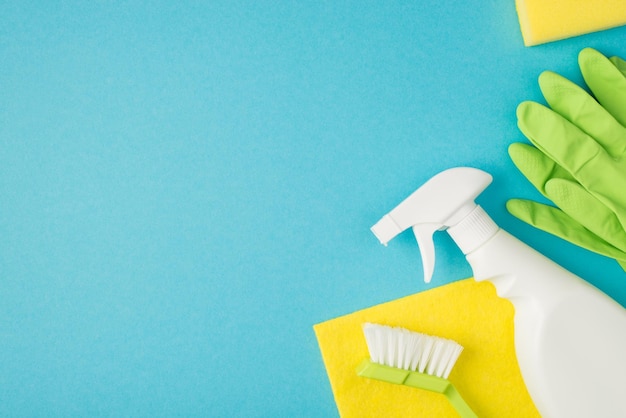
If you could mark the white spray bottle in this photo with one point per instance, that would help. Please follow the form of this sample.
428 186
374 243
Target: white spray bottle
570 338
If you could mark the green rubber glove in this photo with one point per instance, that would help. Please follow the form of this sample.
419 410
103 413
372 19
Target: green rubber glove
578 157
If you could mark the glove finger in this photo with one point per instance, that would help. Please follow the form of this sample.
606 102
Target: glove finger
556 136
536 166
605 178
606 81
558 223
575 151
622 264
620 64
577 106
584 208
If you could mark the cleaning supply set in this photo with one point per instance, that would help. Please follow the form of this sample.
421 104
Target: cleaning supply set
569 336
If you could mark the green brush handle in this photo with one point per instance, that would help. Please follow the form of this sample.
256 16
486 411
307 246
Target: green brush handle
459 403
416 380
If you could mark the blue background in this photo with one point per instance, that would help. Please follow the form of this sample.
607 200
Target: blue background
187 187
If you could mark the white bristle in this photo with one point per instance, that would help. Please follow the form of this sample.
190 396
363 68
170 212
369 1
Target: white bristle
404 349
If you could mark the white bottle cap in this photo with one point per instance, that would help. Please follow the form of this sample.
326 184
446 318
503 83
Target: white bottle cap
473 231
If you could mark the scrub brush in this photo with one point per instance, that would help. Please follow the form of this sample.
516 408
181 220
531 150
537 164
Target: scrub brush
408 358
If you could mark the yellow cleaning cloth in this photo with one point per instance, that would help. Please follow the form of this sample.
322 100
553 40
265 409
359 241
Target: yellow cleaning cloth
486 374
551 20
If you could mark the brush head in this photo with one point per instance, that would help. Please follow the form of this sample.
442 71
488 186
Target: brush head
408 350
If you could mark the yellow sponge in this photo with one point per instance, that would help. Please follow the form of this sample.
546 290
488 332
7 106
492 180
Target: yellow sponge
551 20
486 374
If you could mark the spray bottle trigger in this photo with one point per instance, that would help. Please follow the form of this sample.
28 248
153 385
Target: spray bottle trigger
424 236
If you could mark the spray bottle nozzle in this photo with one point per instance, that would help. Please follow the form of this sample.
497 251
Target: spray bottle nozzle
386 229
441 202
